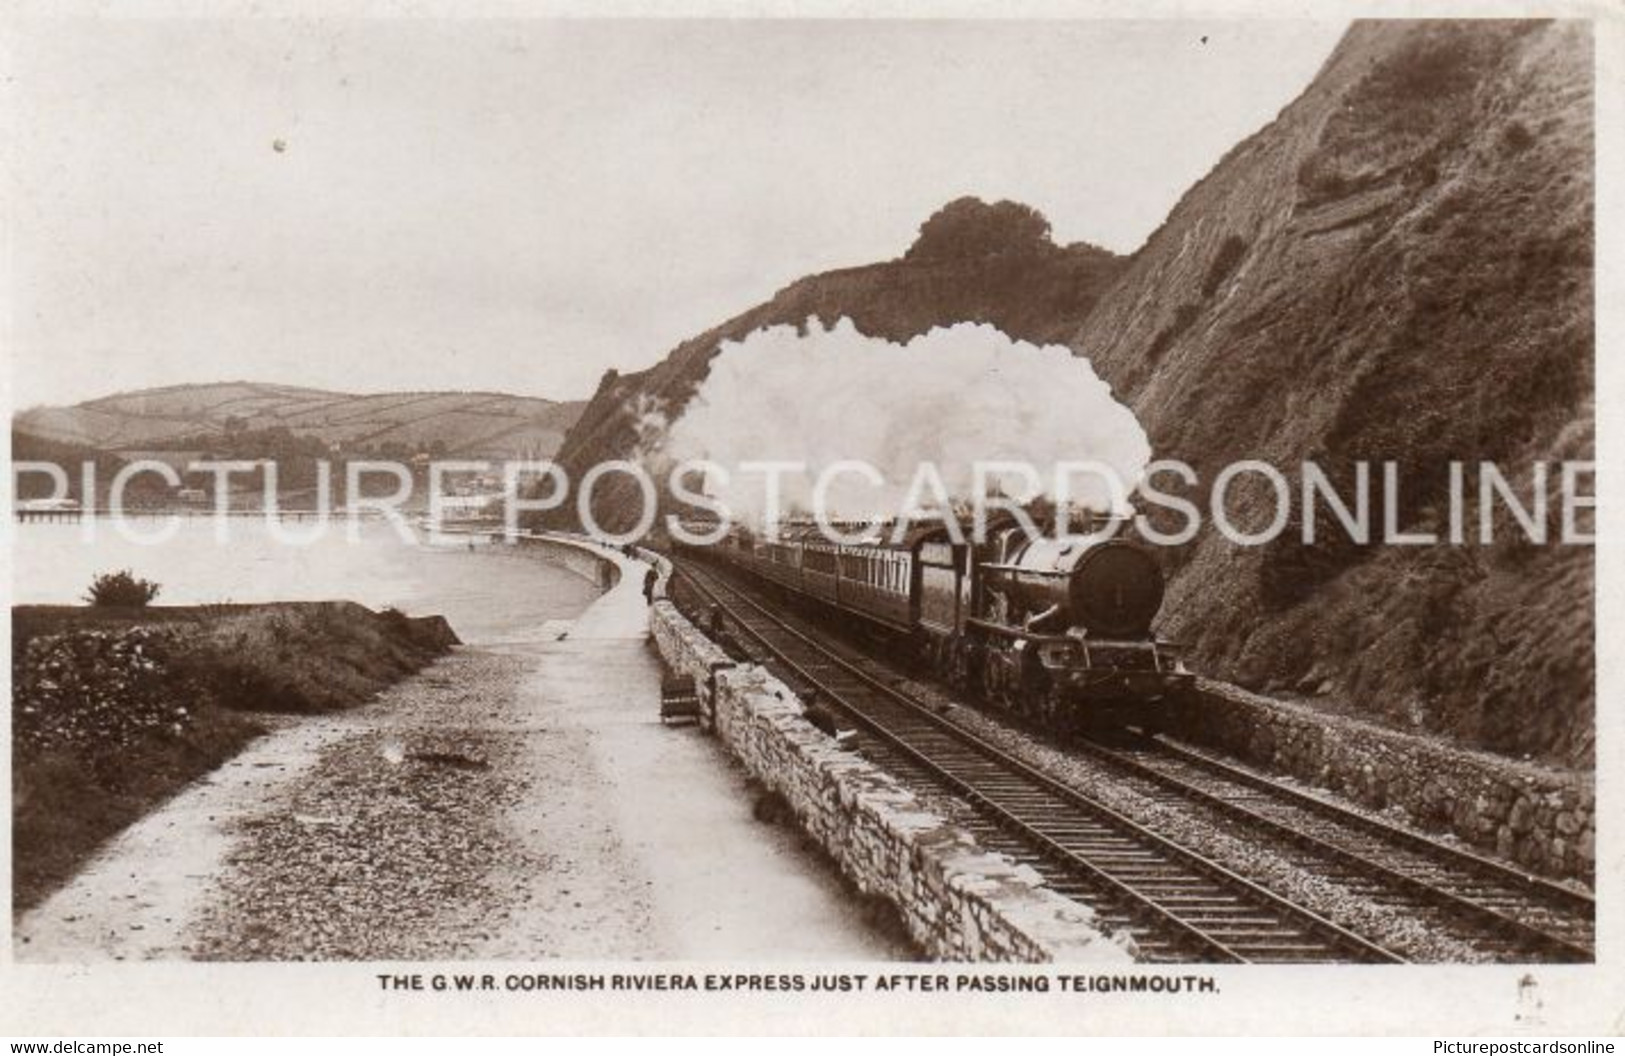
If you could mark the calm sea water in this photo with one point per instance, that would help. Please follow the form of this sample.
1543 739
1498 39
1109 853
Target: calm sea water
490 593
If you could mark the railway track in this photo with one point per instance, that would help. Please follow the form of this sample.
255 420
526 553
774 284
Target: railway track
1177 904
1514 914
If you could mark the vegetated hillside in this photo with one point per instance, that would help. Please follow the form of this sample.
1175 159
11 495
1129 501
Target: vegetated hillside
973 262
1398 268
25 447
460 424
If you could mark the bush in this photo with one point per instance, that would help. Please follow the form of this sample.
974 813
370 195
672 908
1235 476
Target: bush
1184 316
1516 138
969 228
1321 182
1428 67
121 590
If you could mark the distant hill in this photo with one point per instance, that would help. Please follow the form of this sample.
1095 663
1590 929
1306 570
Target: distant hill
449 424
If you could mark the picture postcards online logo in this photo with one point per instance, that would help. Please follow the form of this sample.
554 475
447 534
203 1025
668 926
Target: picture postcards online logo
1249 502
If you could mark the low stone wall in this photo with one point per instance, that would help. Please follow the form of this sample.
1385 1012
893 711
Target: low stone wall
958 901
1540 817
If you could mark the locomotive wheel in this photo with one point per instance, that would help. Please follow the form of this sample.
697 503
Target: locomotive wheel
1049 707
959 665
941 657
985 684
992 690
956 663
1154 718
1092 723
1032 688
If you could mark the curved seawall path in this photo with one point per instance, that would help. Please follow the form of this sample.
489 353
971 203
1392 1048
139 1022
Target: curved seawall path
519 799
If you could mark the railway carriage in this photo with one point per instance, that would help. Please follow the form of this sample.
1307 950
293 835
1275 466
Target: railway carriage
821 568
875 582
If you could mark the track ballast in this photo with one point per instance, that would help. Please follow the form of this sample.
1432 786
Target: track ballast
1177 904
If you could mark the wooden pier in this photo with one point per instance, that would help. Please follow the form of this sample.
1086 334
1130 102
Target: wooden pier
26 514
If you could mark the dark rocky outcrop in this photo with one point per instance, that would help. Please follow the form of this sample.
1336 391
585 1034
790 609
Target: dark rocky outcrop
980 269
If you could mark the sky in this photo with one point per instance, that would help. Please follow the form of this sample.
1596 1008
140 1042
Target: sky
519 205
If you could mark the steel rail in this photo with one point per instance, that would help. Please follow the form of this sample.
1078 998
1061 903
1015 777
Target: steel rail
1333 936
1555 946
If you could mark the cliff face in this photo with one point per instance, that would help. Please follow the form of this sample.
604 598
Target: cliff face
1399 268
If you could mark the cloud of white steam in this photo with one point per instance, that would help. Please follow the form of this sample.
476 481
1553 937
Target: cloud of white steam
952 397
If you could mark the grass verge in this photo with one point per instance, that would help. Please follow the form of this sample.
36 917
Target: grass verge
114 711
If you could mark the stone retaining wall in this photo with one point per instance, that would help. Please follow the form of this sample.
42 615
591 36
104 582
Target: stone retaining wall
1537 816
958 901
573 555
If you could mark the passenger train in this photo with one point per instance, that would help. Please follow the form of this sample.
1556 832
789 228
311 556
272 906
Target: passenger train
1057 629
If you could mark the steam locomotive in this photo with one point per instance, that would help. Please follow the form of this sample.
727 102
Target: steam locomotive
1056 629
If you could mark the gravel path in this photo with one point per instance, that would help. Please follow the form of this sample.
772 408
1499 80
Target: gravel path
135 899
393 825
523 806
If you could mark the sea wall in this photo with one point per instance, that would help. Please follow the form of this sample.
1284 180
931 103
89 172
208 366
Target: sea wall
573 554
1538 816
958 901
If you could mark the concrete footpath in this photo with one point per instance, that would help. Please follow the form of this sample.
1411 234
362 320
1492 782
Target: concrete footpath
518 800
674 811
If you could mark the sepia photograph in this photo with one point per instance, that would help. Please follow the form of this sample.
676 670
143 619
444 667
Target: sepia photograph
740 519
